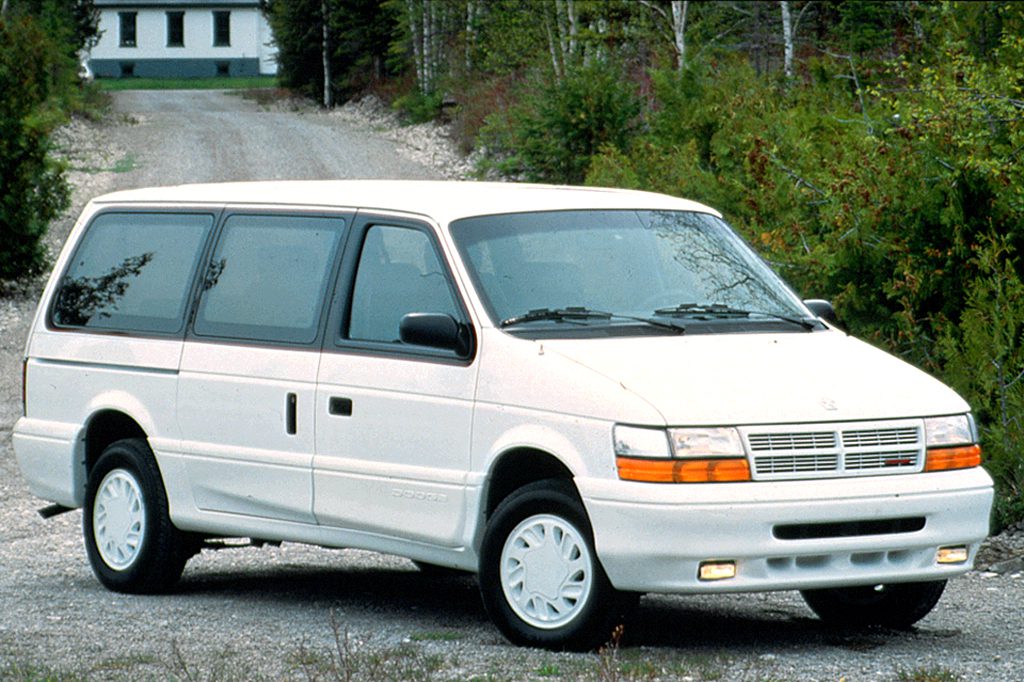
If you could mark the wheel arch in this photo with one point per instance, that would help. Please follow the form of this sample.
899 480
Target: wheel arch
518 467
103 428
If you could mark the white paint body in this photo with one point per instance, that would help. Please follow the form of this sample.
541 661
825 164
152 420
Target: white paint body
408 472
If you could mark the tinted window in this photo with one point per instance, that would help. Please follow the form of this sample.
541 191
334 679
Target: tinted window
399 272
267 278
133 272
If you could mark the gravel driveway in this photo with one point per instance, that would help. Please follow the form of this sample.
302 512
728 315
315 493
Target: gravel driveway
307 613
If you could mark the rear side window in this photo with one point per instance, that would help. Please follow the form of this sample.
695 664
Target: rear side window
267 278
132 272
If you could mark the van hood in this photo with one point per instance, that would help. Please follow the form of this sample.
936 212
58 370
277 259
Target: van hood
763 378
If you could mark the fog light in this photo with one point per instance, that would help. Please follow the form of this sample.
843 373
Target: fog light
717 570
951 555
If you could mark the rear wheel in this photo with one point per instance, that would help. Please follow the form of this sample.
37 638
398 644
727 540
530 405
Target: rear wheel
896 605
540 578
131 543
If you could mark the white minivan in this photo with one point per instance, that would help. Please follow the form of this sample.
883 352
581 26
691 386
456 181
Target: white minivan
581 395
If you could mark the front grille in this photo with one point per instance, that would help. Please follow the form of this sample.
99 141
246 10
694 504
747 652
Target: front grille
824 451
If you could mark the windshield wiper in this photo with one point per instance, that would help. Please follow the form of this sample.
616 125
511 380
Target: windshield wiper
580 314
719 310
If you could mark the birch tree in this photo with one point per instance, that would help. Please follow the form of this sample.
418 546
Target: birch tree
677 26
787 40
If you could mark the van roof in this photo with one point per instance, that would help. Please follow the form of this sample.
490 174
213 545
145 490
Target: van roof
442 201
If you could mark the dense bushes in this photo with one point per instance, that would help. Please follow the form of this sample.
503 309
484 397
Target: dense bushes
557 127
39 44
32 187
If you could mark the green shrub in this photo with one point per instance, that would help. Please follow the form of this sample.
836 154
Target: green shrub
557 127
33 190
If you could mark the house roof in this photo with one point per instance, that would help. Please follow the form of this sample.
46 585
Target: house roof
442 201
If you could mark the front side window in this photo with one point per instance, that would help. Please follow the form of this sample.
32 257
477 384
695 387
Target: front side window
267 278
127 28
221 29
175 29
667 270
399 272
132 272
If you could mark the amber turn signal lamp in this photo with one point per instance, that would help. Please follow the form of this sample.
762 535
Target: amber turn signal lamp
718 470
945 459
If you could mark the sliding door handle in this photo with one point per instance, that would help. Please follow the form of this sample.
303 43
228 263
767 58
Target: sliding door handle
291 419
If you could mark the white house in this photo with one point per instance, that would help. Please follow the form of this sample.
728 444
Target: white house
182 39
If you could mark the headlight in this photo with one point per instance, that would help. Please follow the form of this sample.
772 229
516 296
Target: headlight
716 442
943 431
690 455
633 441
952 443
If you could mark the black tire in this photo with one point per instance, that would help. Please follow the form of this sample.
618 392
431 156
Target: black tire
131 543
896 605
583 605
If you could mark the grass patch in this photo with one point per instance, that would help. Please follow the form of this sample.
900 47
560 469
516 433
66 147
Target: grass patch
928 675
240 83
27 672
439 636
125 164
549 670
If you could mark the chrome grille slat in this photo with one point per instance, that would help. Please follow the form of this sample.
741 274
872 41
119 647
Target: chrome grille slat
847 449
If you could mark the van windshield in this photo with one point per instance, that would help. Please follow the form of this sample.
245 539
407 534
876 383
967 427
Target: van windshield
617 271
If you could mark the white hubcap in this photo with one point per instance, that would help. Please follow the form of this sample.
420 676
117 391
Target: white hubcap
119 519
546 571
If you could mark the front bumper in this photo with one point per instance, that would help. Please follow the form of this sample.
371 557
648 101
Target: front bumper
653 537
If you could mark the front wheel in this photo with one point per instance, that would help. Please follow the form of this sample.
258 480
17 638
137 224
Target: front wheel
131 543
540 578
896 605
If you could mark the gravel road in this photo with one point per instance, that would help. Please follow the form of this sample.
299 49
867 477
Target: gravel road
300 612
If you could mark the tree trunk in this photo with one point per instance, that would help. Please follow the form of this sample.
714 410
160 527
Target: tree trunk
679 30
570 9
416 35
471 33
325 53
787 39
553 46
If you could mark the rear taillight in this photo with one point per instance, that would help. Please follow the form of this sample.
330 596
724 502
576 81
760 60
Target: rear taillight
24 384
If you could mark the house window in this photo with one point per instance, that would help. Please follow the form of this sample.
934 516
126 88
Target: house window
221 29
127 28
175 29
127 69
223 68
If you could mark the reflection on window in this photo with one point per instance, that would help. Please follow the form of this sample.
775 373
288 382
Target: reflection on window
399 273
268 277
132 272
627 262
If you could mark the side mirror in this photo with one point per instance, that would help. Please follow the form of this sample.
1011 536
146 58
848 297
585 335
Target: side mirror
822 309
435 330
